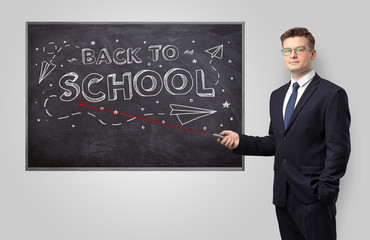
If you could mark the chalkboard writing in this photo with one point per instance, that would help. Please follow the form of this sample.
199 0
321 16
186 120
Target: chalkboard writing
133 96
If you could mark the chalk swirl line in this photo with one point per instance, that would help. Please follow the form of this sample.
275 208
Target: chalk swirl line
73 114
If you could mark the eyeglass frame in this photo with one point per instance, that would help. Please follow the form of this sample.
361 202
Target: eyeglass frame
294 49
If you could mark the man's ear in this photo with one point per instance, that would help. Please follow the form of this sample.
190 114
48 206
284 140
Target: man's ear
313 55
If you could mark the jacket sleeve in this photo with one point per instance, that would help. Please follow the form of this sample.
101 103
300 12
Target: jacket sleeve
337 137
257 146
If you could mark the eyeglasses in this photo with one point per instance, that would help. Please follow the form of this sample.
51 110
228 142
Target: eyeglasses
297 50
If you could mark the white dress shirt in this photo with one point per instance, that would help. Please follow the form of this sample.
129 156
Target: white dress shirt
303 83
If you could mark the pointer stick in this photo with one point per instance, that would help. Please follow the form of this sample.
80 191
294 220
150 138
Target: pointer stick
221 137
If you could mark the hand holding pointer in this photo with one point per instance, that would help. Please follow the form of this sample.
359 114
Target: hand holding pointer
228 138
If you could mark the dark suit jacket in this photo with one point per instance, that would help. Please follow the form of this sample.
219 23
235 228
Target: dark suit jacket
311 155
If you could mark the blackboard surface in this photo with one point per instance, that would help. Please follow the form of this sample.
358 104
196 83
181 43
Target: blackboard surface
133 96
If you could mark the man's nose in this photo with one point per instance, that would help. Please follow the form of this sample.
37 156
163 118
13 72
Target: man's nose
293 54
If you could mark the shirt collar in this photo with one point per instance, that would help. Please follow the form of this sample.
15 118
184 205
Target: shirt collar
304 80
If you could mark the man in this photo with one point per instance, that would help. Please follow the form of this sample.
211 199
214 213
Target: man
309 136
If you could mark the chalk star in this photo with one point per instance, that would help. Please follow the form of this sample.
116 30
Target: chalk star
93 43
193 41
194 60
226 104
115 112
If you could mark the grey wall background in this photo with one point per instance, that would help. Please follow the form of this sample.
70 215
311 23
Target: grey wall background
183 205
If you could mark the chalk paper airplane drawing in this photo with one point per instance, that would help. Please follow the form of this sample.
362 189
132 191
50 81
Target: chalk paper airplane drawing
216 52
187 114
46 69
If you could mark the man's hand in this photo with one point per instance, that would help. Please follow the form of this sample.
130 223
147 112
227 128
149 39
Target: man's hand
231 140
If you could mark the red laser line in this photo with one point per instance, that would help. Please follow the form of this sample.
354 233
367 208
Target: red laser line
149 120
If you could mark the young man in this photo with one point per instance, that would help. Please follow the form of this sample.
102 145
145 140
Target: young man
309 137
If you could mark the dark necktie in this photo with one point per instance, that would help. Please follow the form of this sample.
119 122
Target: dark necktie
290 106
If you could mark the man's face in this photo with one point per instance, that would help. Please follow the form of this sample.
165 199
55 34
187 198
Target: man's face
298 65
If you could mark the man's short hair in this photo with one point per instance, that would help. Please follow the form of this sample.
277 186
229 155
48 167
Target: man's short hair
299 32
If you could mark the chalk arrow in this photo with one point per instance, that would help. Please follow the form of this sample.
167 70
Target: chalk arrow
216 52
187 114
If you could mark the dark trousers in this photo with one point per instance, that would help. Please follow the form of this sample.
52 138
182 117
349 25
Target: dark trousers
300 221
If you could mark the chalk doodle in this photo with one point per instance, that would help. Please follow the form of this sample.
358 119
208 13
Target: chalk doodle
68 82
72 60
187 114
47 66
216 52
190 52
226 104
46 69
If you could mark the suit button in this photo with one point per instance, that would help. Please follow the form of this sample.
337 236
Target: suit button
284 160
284 139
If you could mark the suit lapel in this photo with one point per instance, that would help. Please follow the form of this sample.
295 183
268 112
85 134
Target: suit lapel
281 104
311 88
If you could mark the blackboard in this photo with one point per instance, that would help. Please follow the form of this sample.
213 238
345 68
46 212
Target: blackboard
133 95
